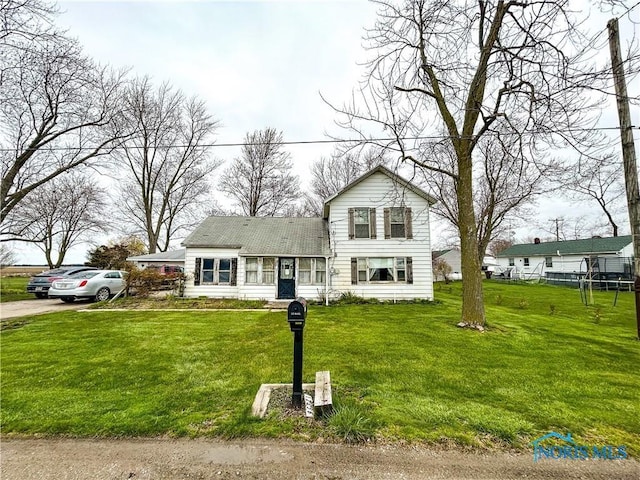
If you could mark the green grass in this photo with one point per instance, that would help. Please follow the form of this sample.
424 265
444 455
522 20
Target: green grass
399 371
14 288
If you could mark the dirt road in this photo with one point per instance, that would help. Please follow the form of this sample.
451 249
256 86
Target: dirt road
163 459
36 307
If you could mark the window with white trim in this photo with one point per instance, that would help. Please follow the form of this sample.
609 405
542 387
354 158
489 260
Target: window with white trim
382 270
361 222
396 220
215 271
260 270
312 271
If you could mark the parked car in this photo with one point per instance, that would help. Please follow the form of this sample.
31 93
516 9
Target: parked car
39 284
98 285
170 270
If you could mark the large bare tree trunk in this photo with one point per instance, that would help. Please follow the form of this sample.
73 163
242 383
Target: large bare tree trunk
472 296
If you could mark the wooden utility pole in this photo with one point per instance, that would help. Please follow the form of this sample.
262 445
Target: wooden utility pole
628 153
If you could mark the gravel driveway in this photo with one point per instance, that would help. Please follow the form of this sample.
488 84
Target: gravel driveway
163 459
37 306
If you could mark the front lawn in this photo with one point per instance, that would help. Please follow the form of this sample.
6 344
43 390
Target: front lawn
547 362
14 288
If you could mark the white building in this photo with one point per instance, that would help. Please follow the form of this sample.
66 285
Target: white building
597 254
373 240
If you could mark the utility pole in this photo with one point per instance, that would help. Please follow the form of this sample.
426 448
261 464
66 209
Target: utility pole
628 154
557 220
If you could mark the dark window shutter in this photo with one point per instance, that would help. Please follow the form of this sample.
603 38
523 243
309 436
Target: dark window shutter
354 271
372 223
408 227
196 274
387 223
409 270
234 271
351 225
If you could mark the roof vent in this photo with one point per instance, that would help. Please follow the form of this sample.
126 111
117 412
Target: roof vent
536 241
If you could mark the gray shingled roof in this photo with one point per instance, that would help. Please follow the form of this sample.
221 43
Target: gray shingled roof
568 247
298 236
171 255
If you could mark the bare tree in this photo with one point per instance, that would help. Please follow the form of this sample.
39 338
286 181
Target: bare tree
55 105
331 174
25 20
61 214
505 184
599 180
7 255
478 69
499 245
166 159
260 181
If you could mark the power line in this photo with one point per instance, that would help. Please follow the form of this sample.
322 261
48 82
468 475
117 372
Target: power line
303 142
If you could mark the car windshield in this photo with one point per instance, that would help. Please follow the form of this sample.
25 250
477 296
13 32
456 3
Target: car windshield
85 274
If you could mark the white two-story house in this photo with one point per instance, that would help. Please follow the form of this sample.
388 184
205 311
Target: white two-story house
373 240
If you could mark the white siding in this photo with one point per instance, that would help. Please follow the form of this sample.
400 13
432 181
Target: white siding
213 291
242 290
379 191
627 251
537 267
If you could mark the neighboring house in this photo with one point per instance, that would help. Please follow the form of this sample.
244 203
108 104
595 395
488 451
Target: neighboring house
453 258
170 257
591 255
373 240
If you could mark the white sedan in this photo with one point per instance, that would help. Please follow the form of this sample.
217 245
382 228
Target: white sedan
98 285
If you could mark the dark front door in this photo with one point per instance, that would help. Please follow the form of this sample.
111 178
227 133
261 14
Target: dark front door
286 278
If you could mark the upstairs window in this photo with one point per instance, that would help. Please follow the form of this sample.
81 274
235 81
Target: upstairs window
396 219
362 223
548 262
398 222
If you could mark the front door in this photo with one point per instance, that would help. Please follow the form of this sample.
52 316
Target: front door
286 278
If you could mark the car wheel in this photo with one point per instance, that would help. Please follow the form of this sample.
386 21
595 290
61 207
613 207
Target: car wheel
102 294
68 299
41 295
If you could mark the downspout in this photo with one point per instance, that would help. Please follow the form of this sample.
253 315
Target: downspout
327 281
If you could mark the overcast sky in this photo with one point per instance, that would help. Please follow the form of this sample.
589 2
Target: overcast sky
256 64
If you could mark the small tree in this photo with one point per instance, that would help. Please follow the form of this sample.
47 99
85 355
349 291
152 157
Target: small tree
442 269
260 182
499 245
114 255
